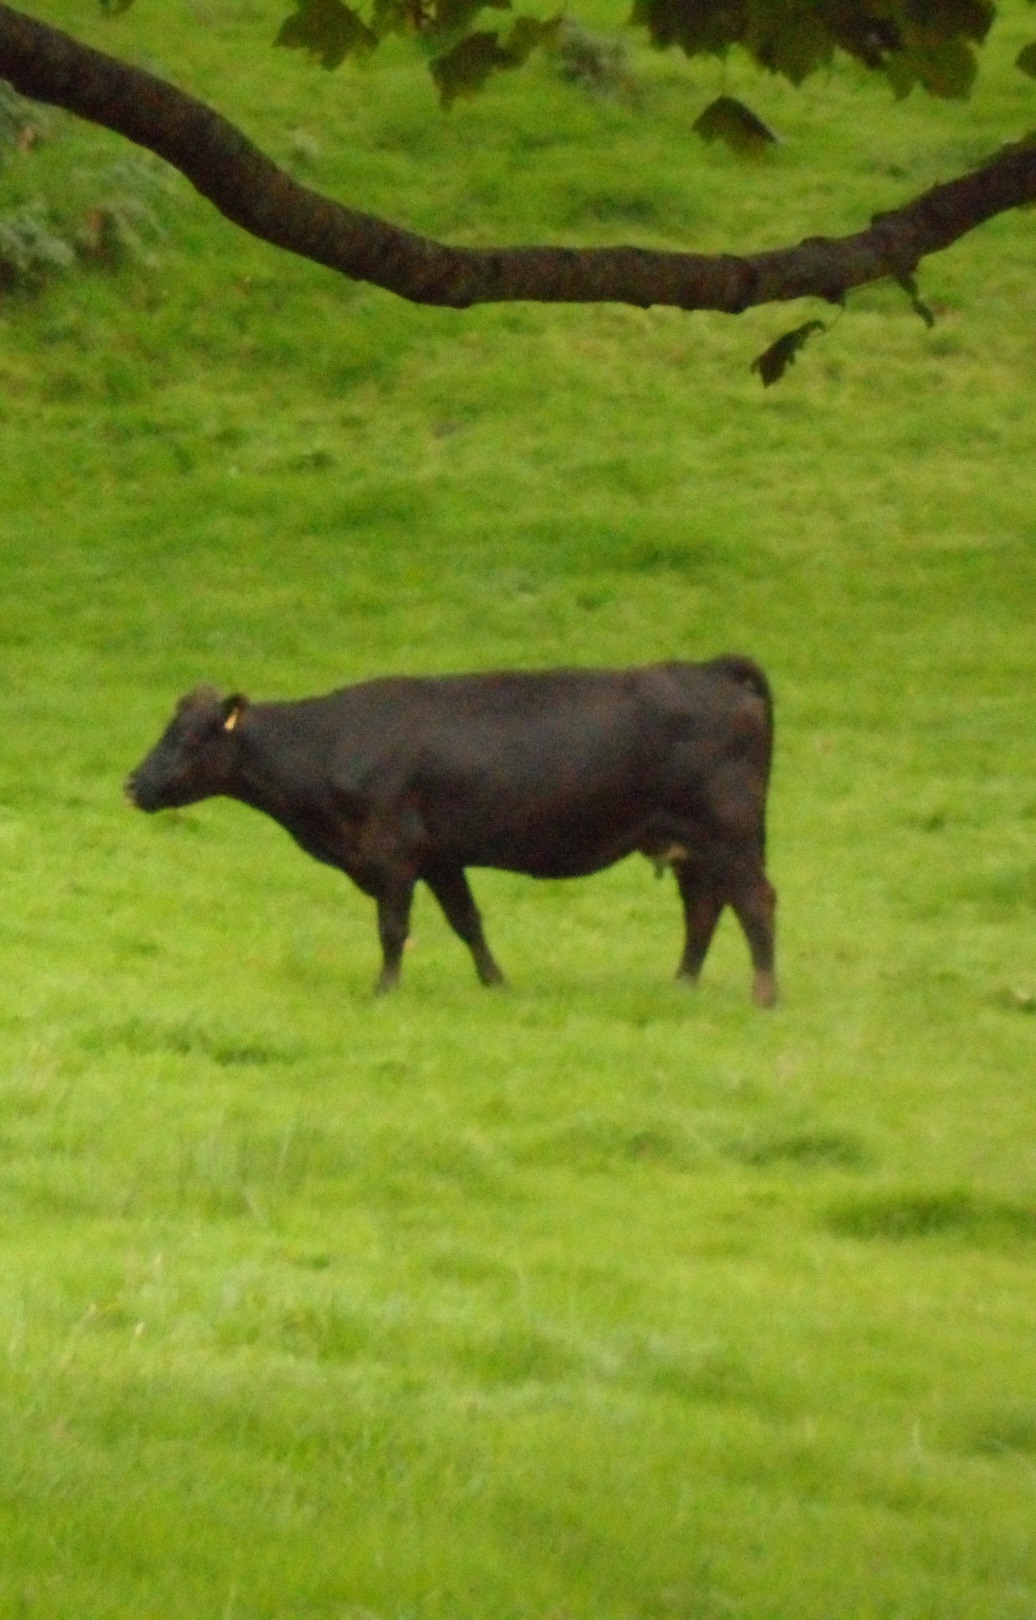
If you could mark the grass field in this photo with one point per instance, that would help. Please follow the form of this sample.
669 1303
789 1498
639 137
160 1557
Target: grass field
595 1299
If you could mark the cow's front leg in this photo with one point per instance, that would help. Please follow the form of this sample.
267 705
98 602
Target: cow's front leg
394 902
450 887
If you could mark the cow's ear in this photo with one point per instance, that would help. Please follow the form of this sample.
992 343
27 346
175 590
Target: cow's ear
233 708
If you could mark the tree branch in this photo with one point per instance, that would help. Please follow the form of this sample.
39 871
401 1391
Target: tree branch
48 65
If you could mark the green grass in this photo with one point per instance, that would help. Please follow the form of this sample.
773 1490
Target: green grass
594 1299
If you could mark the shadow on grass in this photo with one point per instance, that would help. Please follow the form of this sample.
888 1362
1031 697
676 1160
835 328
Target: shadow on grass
520 1353
144 1037
1003 1431
323 1330
806 1149
710 1377
601 1144
969 1217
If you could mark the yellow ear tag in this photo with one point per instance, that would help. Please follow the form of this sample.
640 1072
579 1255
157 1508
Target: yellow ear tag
231 721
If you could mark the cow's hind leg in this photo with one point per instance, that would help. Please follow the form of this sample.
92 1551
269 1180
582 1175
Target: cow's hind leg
702 905
394 904
754 900
452 890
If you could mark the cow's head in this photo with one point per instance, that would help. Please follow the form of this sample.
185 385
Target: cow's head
194 757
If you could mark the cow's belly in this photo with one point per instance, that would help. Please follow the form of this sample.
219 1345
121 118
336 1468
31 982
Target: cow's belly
555 862
552 848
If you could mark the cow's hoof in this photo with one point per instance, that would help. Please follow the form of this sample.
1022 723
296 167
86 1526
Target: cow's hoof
764 989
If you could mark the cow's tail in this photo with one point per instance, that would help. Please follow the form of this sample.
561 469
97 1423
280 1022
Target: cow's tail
746 672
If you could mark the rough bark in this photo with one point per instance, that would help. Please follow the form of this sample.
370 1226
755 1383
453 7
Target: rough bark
50 66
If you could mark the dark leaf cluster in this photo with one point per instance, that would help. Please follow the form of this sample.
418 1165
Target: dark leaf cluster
330 31
52 68
931 43
926 42
774 361
736 125
920 308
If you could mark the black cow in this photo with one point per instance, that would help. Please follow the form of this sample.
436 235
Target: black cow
557 774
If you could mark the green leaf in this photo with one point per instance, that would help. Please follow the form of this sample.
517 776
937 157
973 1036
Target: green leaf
774 361
430 18
791 43
326 29
867 38
698 28
450 15
737 125
947 68
909 286
394 17
1026 59
464 70
526 34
